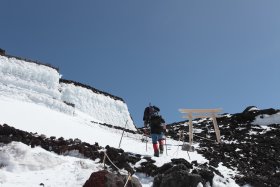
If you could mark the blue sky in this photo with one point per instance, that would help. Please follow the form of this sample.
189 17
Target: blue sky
174 54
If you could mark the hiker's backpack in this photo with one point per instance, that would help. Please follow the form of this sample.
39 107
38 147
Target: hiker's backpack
150 111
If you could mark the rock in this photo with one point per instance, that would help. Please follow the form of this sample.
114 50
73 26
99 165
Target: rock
96 179
177 178
107 179
206 175
187 147
5 139
164 168
148 168
178 161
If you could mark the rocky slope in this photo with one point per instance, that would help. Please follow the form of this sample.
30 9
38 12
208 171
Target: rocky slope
191 173
248 147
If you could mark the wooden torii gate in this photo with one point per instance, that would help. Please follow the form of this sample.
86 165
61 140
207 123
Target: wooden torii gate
201 113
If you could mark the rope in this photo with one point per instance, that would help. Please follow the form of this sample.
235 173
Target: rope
119 170
182 136
176 152
205 138
128 178
112 162
104 159
180 139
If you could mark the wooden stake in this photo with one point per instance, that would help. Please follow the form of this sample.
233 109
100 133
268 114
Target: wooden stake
217 131
190 129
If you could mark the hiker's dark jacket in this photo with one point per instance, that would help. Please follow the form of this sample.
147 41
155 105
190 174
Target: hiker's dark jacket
156 124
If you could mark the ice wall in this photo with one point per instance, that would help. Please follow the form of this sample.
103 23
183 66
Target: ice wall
99 106
29 76
40 84
31 82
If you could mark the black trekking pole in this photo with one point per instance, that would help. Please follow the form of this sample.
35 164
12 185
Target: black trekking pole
122 134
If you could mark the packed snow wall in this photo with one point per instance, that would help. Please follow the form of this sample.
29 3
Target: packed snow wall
100 105
32 82
40 84
29 76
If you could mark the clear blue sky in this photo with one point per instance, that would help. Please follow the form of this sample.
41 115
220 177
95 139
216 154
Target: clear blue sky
174 54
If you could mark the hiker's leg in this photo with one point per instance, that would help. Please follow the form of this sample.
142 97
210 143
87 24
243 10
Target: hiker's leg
155 145
161 142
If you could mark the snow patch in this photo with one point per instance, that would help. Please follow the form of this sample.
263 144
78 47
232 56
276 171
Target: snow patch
265 119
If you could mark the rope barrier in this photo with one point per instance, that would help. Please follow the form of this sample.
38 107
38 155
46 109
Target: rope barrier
128 178
180 137
113 163
176 152
104 159
205 138
119 170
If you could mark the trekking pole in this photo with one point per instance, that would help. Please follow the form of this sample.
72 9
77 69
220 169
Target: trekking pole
122 134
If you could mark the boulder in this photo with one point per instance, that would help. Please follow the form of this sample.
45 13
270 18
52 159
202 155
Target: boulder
177 178
105 178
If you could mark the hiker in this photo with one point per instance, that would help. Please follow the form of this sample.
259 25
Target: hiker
156 123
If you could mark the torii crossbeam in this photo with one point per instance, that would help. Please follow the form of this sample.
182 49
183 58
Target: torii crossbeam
201 113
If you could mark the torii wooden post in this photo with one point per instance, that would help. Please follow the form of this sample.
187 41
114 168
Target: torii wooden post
196 113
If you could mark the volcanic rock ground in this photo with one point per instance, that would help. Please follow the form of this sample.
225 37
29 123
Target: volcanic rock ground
250 149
